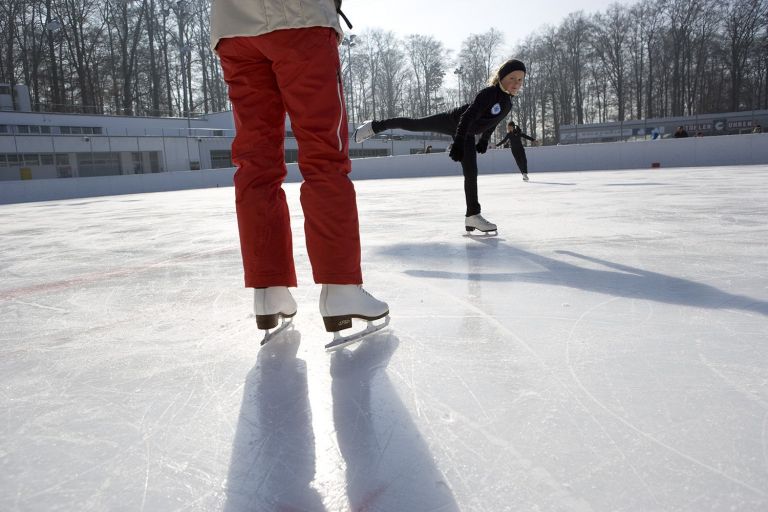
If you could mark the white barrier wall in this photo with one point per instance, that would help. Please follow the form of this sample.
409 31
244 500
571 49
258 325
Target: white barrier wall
749 149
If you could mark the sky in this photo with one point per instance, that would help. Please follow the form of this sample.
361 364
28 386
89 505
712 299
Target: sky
452 21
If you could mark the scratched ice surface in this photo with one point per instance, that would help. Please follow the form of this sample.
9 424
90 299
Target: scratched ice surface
607 351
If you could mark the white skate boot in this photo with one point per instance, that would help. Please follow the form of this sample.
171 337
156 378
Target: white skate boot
340 303
270 305
364 131
525 176
478 222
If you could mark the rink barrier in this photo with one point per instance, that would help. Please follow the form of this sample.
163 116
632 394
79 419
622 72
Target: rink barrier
750 149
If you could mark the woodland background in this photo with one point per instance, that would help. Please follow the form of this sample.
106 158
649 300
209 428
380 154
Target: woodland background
644 60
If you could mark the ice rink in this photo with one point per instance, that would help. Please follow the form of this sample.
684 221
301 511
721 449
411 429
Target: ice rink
608 351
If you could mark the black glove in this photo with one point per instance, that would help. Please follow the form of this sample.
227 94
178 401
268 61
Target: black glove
482 146
457 150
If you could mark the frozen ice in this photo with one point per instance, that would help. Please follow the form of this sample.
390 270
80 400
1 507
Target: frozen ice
606 351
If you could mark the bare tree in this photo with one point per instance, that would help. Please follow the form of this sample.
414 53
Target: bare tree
611 47
428 63
742 22
478 59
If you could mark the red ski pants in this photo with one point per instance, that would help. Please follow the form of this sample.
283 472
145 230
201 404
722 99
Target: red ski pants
295 71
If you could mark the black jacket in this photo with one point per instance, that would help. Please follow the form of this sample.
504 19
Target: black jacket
490 106
516 133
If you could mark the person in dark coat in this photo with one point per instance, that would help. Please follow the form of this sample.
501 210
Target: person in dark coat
680 133
514 138
479 118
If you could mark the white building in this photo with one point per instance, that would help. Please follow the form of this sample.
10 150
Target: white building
50 145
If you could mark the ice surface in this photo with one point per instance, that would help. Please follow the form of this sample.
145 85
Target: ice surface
607 351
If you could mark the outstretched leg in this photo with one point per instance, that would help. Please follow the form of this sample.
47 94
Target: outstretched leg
439 123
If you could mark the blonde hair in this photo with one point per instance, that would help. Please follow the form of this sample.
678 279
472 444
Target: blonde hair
494 80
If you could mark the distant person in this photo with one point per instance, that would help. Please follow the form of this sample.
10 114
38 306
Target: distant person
282 56
757 128
514 138
680 133
428 150
699 134
490 106
655 134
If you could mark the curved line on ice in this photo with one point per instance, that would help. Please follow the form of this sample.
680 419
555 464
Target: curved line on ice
634 428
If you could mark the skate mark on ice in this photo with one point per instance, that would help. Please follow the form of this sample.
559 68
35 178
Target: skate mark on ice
764 438
628 424
554 484
605 432
95 277
729 382
637 430
36 305
538 473
537 182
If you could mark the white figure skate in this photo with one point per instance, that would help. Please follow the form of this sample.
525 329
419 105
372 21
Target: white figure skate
270 305
525 176
340 303
364 131
477 222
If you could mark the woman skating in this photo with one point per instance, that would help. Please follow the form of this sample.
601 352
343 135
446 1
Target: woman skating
490 106
514 137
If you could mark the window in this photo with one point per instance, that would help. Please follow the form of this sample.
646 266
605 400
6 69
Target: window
22 128
99 164
34 129
154 161
363 153
46 159
76 130
31 159
62 159
221 158
3 128
13 159
96 130
45 129
65 130
3 161
138 164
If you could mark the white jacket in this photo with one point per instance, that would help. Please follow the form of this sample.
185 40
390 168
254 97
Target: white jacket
231 18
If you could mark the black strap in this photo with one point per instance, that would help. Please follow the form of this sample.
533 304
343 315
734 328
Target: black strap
337 3
346 20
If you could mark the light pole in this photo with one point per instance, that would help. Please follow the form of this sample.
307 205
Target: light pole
349 42
52 27
459 71
185 54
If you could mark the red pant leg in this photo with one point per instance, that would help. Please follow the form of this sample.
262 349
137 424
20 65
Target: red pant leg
306 64
257 151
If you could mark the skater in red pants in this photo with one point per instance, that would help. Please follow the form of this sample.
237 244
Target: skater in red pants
278 57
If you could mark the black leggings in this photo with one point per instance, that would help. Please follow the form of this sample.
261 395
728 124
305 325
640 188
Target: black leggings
442 123
518 151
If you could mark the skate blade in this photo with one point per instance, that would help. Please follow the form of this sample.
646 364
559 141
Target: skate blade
287 322
340 341
492 232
